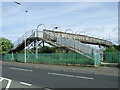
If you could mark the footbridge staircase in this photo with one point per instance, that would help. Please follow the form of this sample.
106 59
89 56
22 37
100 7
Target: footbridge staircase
67 41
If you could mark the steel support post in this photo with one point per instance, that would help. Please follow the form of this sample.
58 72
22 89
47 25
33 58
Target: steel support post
12 55
43 44
36 46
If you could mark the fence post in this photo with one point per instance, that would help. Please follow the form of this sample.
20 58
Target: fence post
118 59
1 58
97 61
12 56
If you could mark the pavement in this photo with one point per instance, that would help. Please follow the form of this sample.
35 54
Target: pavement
28 75
109 64
104 70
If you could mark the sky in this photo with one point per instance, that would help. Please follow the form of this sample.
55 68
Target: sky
98 19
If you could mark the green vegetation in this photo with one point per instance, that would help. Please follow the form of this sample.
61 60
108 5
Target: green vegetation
111 54
5 45
113 48
47 49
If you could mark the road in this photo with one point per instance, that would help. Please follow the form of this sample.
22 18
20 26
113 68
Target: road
34 77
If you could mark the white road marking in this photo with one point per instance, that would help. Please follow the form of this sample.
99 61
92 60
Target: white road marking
47 89
84 77
61 74
20 69
71 76
9 82
26 83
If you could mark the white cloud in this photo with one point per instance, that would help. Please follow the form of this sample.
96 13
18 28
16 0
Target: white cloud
96 23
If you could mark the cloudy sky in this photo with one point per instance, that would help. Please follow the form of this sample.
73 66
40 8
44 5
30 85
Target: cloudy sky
99 19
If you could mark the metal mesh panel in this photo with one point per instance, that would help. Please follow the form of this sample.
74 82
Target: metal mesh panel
52 58
28 34
71 43
64 58
111 57
7 57
78 46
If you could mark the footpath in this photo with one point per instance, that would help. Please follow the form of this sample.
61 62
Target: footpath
103 70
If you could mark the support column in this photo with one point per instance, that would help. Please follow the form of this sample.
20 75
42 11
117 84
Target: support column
97 61
36 46
12 56
43 44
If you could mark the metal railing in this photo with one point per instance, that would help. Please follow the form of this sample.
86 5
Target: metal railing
61 39
28 34
77 46
81 38
64 41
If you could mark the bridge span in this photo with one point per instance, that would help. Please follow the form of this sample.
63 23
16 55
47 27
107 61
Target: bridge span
67 41
82 38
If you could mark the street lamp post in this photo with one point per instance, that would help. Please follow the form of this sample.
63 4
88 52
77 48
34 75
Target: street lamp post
18 3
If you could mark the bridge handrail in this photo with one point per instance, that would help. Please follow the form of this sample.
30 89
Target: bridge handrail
71 42
82 38
22 38
28 34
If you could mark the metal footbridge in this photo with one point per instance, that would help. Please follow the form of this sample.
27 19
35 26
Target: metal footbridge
67 41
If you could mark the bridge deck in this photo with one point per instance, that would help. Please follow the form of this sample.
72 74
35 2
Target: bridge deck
81 38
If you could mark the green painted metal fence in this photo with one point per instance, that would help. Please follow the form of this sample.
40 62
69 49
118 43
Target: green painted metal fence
52 58
112 57
65 58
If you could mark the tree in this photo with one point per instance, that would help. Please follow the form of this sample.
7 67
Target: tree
118 47
47 49
5 45
112 49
